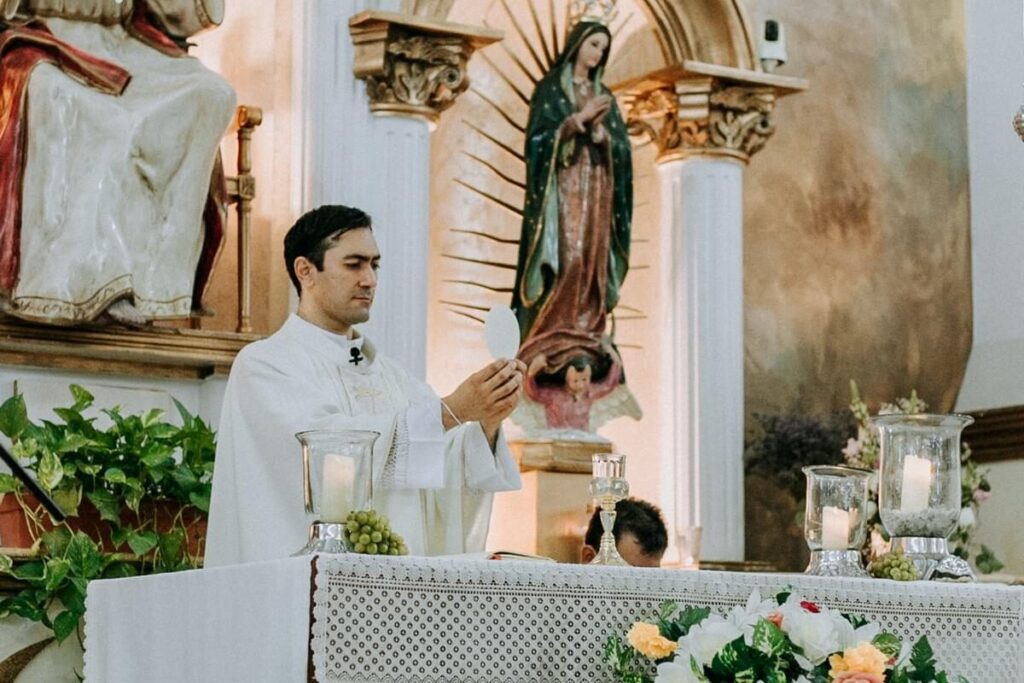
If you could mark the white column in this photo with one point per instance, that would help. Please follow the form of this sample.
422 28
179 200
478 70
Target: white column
377 163
702 286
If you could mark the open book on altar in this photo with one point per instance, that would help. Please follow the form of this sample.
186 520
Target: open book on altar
499 555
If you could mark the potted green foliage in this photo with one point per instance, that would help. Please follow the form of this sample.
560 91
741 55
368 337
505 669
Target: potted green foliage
136 494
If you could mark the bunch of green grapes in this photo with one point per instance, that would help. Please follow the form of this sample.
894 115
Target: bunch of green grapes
894 566
370 533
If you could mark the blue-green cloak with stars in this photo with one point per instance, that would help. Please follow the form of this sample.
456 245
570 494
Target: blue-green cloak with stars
552 102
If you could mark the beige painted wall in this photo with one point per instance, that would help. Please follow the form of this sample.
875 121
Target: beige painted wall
857 237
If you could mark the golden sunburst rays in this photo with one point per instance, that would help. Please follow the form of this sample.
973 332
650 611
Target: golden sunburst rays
491 176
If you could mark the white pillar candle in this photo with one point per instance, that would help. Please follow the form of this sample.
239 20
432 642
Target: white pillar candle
835 528
336 488
917 484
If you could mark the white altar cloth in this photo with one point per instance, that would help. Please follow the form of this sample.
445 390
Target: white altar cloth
420 620
241 623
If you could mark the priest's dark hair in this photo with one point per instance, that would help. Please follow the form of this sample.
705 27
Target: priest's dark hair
634 516
315 232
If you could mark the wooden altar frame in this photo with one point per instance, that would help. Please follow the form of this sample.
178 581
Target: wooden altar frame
997 434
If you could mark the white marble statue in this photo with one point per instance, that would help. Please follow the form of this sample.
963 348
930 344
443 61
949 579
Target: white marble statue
116 210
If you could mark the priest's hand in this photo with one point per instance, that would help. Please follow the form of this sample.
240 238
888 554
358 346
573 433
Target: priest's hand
488 396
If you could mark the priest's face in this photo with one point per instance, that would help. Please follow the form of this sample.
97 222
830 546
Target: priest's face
341 294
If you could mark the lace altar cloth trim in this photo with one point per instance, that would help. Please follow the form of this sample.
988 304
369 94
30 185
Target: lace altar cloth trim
432 620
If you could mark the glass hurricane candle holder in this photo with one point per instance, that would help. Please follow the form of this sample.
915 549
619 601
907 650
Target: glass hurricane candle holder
919 489
688 540
337 478
608 486
835 519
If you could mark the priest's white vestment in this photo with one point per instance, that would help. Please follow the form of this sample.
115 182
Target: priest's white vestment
436 487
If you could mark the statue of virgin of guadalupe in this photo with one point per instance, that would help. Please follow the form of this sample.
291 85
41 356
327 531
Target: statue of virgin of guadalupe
574 246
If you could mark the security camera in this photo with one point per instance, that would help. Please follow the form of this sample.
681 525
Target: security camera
773 46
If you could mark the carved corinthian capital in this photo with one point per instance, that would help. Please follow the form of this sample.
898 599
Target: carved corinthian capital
422 75
411 65
741 119
705 110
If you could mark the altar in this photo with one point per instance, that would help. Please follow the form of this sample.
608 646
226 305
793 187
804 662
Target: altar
413 619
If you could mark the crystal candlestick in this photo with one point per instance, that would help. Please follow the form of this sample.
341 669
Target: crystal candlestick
608 486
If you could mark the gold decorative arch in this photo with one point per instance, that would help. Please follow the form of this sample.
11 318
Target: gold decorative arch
712 31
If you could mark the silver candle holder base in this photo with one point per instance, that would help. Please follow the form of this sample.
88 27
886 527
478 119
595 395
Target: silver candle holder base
932 558
608 553
325 537
843 563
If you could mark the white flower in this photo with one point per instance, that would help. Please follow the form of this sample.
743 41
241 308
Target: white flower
850 637
817 634
745 617
678 671
966 517
705 640
889 409
852 449
904 655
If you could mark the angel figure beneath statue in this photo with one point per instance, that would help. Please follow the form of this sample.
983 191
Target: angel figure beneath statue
570 394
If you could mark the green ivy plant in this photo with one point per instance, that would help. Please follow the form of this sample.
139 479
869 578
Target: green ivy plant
124 471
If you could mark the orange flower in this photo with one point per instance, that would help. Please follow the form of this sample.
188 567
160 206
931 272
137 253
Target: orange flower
648 641
858 677
861 664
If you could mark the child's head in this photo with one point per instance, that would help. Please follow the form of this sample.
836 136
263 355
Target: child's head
578 374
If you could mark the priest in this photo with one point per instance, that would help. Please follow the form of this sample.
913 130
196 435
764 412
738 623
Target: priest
440 460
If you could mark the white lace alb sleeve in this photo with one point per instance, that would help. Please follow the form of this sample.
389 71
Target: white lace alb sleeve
415 459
